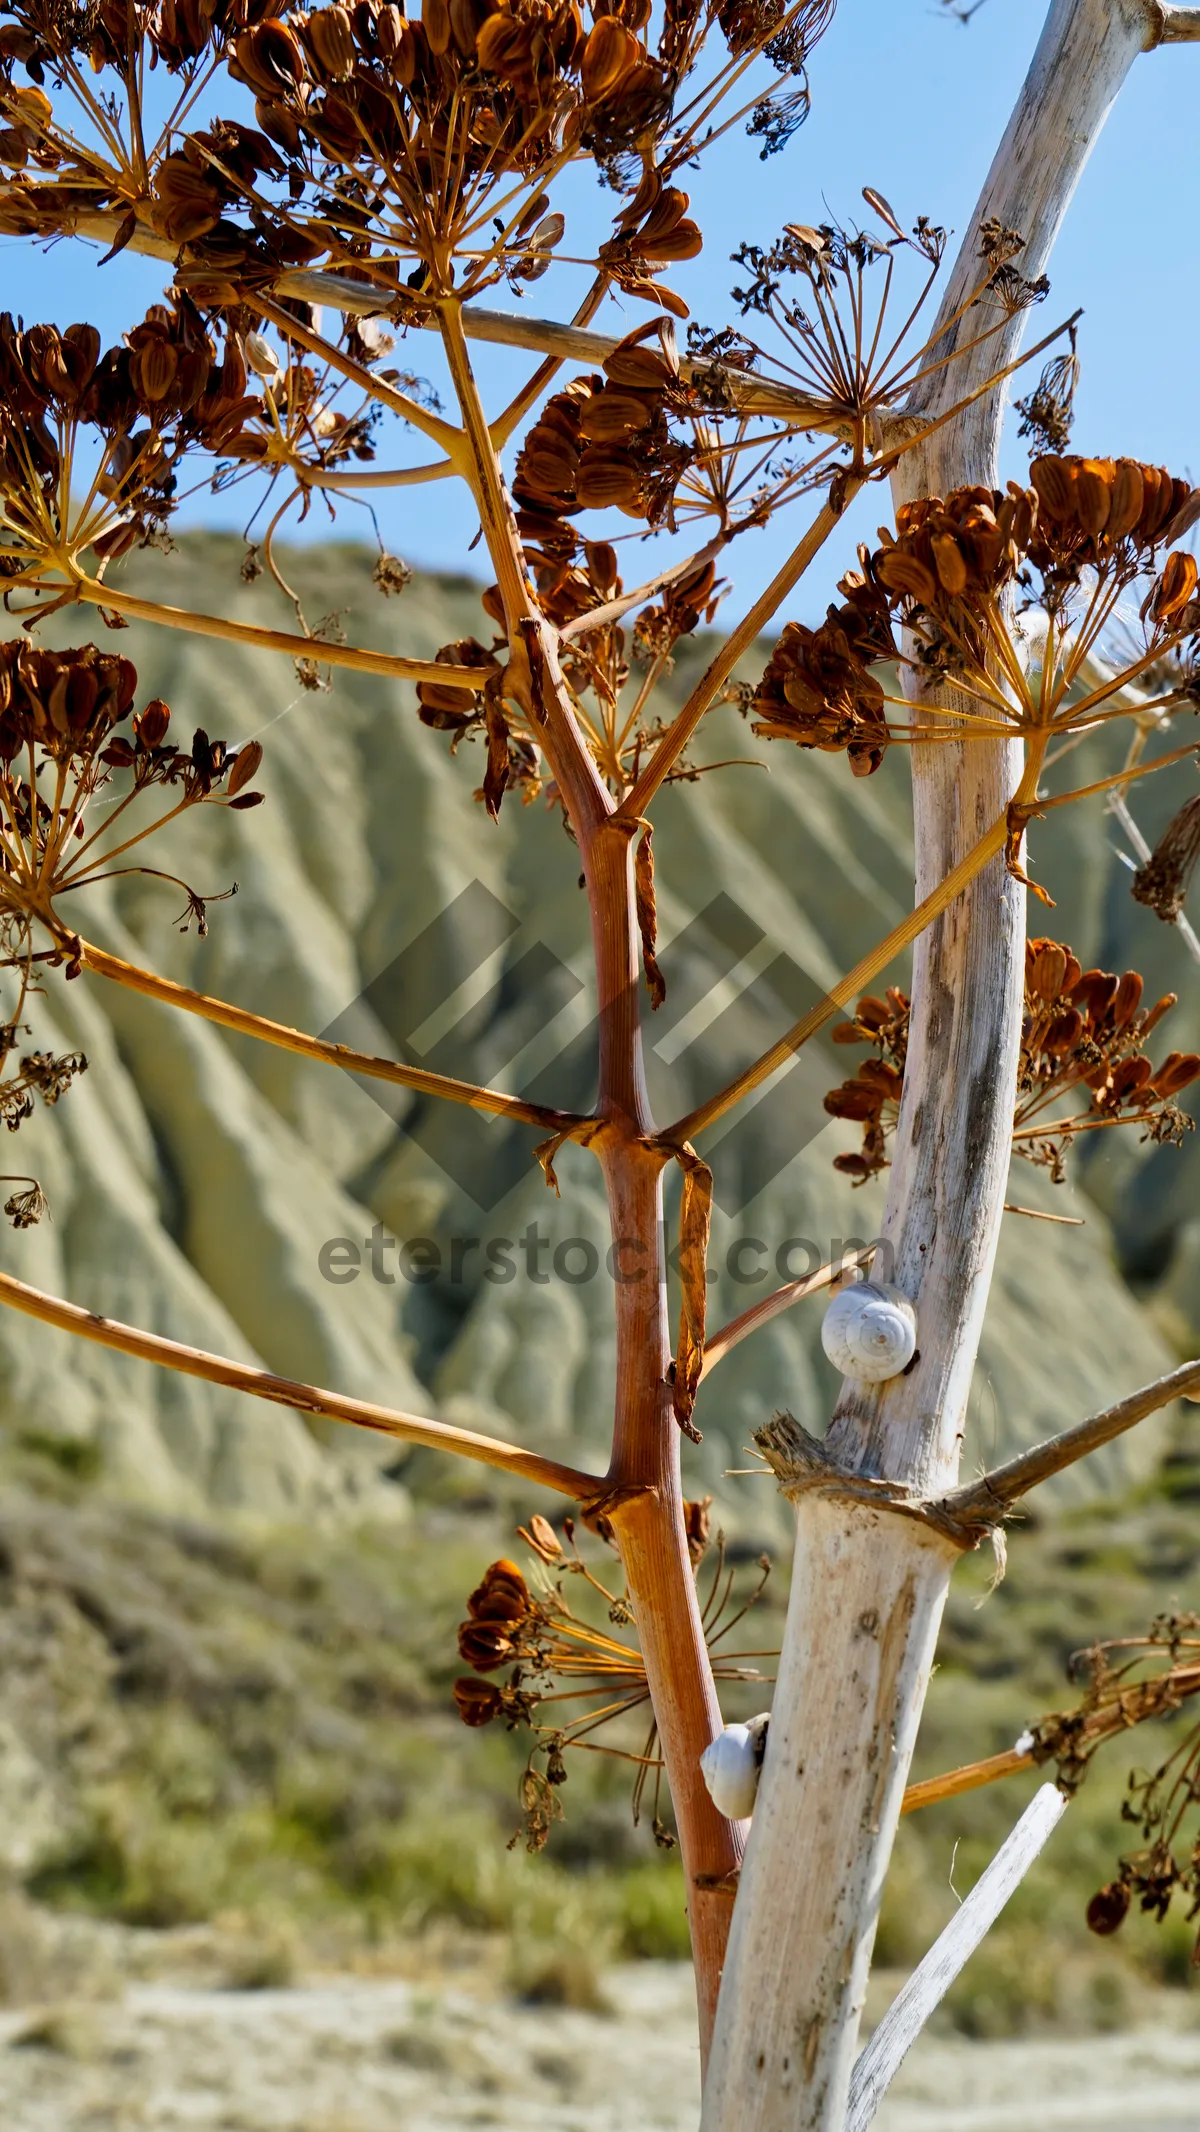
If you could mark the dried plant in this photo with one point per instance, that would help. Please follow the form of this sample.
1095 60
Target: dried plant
557 1656
1131 1681
1082 1042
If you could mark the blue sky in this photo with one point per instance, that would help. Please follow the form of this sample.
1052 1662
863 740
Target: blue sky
907 100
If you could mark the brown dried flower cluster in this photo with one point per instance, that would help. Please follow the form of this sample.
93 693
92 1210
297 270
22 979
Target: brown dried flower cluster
62 709
603 443
872 1098
59 713
965 548
818 689
1162 883
1103 513
42 1074
1083 1043
954 573
547 1643
146 402
1131 1681
386 127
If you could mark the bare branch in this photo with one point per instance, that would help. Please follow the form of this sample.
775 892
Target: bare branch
931 1979
1173 25
503 329
314 1047
971 1777
287 1392
720 668
772 1306
847 988
315 648
987 1502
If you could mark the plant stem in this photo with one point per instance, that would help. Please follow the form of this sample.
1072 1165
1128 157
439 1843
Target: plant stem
719 669
289 1392
322 654
226 1016
645 1502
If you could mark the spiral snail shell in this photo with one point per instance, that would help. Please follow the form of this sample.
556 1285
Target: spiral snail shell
870 1332
732 1764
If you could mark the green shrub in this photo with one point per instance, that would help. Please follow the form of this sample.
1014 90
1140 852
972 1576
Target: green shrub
651 1918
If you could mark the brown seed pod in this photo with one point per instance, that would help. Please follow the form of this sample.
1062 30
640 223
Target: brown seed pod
1045 970
607 476
246 764
613 414
1093 494
949 563
484 1645
1128 492
1177 1072
1162 883
152 369
270 59
1052 479
505 47
609 59
330 39
1176 585
479 1701
435 21
1109 1908
902 573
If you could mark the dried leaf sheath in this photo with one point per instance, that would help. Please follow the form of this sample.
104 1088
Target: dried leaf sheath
695 1220
647 916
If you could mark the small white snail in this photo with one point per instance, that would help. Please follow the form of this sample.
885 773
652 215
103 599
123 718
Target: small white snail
870 1332
732 1764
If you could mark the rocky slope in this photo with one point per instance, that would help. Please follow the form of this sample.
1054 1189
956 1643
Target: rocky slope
194 1177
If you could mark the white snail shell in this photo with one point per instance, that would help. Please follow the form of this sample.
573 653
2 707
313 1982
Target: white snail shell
732 1764
870 1332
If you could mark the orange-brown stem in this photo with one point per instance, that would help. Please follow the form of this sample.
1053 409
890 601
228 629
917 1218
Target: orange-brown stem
650 1530
648 1519
290 1392
645 1502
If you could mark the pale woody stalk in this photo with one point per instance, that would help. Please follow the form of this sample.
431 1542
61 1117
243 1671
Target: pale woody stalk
868 1585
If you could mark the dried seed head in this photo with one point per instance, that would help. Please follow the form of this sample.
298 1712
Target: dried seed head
1162 883
391 575
817 691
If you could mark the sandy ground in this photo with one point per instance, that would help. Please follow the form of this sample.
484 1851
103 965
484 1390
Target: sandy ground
351 2055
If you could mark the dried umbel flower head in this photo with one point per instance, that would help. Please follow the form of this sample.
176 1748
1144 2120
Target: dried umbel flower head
138 407
604 442
1047 412
556 1653
1083 1042
961 572
65 709
1162 883
964 548
40 1073
64 703
1083 1066
1102 511
1131 1681
818 691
